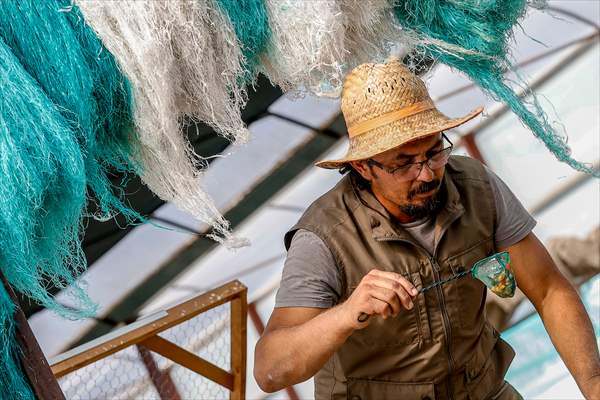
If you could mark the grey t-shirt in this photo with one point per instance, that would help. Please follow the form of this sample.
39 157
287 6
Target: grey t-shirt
311 278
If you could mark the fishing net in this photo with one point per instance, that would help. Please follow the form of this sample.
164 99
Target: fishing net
162 47
473 37
493 271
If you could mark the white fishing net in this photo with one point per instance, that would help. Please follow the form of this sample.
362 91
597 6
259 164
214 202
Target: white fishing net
306 49
372 32
183 59
315 43
180 57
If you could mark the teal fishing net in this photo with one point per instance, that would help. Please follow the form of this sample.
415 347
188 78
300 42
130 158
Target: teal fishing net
112 94
42 191
67 60
250 21
65 126
12 382
42 196
472 36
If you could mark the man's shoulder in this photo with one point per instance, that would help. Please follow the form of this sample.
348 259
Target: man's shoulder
333 204
327 212
463 167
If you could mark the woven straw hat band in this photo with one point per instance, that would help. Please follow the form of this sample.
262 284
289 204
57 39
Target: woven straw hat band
366 126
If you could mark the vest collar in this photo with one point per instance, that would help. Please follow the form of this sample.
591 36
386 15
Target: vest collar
385 228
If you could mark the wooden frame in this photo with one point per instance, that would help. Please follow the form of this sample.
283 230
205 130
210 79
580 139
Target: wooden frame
144 333
35 367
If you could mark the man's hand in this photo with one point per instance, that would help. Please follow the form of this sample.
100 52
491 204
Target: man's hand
298 341
379 293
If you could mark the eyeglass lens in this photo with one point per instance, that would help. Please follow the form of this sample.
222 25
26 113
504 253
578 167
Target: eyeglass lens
413 170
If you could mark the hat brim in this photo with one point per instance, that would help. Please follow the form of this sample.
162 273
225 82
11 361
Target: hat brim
443 124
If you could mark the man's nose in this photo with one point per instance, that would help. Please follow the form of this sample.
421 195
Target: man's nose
426 174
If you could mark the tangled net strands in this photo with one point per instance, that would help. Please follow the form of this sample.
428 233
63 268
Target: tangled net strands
472 36
69 64
12 380
251 24
371 31
306 47
314 44
42 197
145 37
42 192
115 127
210 61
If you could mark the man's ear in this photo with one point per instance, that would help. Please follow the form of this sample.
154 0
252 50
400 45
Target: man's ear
363 169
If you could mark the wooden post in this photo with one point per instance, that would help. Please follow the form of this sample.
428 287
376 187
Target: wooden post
35 365
189 360
239 318
160 379
145 333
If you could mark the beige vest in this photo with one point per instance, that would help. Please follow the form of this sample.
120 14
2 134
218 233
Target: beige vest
441 349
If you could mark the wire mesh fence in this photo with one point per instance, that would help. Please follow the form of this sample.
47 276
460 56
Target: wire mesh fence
138 371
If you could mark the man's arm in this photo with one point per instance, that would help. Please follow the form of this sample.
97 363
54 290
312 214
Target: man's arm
296 344
299 340
561 310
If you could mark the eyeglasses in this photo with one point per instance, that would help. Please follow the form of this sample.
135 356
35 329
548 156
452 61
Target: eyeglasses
411 171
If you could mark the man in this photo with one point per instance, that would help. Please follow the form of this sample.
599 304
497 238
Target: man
407 215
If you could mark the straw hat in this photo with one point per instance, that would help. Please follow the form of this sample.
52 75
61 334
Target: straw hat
386 106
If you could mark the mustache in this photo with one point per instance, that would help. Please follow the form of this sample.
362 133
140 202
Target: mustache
424 188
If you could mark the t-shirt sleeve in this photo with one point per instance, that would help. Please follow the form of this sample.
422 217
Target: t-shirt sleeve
513 221
310 276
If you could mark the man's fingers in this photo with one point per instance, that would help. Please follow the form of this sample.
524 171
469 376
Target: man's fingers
394 285
393 276
384 293
387 296
397 294
380 307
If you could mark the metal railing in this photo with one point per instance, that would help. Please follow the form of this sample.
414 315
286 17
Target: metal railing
163 355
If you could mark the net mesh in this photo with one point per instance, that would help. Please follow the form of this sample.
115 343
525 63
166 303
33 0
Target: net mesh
136 372
494 271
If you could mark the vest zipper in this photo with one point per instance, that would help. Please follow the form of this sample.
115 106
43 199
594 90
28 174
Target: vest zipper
445 318
440 295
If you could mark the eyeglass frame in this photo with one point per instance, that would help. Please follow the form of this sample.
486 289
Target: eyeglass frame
379 165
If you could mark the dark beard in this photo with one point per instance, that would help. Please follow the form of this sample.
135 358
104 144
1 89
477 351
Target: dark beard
430 207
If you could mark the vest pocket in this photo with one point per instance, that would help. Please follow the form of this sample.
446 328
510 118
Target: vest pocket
409 326
367 389
420 309
468 293
484 373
